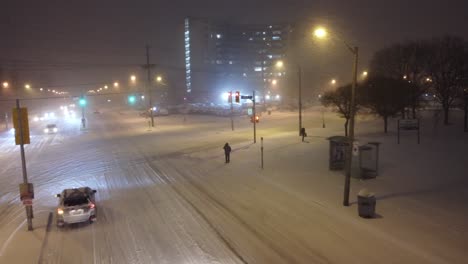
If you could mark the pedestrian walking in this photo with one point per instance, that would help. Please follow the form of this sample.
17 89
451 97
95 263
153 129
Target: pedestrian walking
227 152
303 133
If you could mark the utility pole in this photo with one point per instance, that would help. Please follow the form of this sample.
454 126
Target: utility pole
299 70
349 151
148 84
254 120
23 163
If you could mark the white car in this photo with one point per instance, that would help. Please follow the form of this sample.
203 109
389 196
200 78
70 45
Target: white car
51 128
76 206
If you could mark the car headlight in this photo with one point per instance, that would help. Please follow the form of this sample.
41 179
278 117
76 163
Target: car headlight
55 129
60 211
46 130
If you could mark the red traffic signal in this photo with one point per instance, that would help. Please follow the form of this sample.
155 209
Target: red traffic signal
257 119
237 96
229 97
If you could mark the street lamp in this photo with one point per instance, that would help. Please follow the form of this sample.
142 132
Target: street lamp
116 84
105 87
321 33
27 86
333 81
158 78
280 64
364 74
274 82
133 78
5 84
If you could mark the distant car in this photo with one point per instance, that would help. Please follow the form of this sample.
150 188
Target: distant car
163 112
76 206
51 128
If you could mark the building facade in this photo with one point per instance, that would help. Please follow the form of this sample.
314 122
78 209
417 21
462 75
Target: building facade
221 57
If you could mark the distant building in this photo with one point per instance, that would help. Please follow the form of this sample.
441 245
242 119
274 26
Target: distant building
221 57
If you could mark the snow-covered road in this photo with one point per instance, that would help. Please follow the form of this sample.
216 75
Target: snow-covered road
166 196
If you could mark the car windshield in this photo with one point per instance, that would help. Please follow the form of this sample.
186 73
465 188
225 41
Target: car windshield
51 126
77 200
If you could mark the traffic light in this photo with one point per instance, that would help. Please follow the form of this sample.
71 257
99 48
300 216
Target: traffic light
237 96
257 119
229 97
82 102
131 99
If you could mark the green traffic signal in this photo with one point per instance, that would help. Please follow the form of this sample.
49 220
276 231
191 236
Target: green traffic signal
131 99
82 102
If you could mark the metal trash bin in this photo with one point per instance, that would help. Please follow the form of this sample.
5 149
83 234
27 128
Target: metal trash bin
366 204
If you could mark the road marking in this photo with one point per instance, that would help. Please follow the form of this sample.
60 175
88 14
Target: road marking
5 245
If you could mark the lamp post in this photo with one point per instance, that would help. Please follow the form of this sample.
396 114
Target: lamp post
322 33
280 64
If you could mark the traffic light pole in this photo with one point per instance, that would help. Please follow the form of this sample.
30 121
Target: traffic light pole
23 164
254 120
232 118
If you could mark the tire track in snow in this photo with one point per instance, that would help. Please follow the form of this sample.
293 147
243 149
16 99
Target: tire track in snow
164 177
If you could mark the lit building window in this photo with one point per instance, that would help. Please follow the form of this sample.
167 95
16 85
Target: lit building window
257 69
276 38
218 36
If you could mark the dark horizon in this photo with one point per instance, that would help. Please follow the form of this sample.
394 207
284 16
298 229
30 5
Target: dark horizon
105 41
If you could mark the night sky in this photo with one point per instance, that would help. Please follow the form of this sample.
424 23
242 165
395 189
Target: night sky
59 43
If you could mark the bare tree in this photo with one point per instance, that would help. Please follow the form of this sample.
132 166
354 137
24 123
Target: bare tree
385 96
340 100
448 69
404 61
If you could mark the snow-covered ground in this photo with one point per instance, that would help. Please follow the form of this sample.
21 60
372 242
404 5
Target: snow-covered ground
165 195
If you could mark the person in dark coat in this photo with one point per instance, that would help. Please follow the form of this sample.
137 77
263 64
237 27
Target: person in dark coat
227 152
303 133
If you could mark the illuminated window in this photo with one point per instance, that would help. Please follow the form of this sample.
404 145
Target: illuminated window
257 69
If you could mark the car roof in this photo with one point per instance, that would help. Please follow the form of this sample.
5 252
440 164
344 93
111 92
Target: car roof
76 191
51 125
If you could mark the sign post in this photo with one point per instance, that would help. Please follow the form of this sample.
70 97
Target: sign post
20 122
262 150
408 124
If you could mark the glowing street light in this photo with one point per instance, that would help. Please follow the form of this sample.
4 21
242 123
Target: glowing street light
279 64
333 81
365 73
105 87
116 84
41 89
320 32
5 84
274 82
133 78
158 78
27 86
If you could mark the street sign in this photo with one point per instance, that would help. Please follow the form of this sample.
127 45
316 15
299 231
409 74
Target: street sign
246 97
26 191
409 124
249 111
23 116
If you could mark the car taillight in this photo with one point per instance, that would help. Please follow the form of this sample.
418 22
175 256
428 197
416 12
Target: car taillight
91 205
60 211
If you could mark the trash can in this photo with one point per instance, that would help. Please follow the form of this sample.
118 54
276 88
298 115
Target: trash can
366 204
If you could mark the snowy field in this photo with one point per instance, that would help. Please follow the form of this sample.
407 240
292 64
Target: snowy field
166 196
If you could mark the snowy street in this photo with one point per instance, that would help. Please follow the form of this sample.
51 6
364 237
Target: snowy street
166 196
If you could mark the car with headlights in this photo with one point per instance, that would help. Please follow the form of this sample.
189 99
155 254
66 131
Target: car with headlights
51 128
76 205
